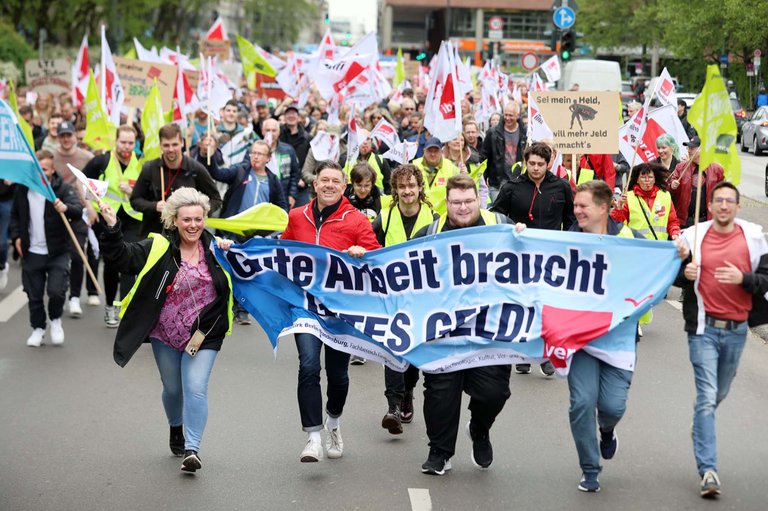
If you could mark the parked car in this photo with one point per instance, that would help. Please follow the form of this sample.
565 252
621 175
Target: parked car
688 97
754 132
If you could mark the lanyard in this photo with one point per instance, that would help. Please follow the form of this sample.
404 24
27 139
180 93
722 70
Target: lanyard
170 180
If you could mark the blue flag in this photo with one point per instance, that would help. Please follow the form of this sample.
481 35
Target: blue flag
17 159
465 298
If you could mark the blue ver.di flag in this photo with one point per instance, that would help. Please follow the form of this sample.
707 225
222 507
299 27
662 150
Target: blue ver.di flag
465 298
17 159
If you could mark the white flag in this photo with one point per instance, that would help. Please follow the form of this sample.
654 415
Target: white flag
551 68
443 104
353 141
665 89
322 146
385 132
538 129
112 93
661 121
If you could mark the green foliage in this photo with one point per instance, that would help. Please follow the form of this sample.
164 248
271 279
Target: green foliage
277 23
13 47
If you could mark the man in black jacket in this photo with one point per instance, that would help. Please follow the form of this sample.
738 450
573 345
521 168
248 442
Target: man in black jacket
177 172
40 237
294 134
503 146
540 200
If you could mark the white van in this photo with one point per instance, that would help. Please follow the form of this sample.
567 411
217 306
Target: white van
591 75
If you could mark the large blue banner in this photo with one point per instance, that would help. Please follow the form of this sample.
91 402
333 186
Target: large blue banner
465 298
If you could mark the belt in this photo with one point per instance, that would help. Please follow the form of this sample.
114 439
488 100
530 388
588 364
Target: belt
725 324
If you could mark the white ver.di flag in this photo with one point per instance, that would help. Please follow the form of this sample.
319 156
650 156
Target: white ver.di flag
551 68
443 107
385 132
665 89
538 129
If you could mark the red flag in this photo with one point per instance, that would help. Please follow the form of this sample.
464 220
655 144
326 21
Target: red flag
217 30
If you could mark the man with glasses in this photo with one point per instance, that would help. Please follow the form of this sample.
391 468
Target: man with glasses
488 387
503 147
407 109
725 275
250 183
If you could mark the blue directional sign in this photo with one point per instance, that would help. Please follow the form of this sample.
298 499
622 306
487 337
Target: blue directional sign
564 17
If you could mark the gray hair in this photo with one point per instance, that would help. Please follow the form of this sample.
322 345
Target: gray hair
181 198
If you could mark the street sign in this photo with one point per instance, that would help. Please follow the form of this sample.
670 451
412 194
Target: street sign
564 17
529 61
724 58
495 28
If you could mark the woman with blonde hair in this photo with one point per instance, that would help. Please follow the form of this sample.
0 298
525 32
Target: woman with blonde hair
181 304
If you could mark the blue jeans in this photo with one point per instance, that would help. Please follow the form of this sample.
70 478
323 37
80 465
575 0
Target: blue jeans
715 357
595 387
309 391
5 220
185 389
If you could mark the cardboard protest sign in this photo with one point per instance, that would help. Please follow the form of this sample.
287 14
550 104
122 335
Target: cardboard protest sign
216 48
582 122
48 76
138 77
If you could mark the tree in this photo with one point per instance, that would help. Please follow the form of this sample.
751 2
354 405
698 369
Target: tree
277 23
13 47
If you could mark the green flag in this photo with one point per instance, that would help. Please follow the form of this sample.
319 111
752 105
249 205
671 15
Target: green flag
24 125
152 119
252 61
99 132
399 69
712 116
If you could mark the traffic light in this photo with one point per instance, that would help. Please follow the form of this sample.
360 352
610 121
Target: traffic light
567 45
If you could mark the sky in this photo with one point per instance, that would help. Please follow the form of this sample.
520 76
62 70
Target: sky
356 11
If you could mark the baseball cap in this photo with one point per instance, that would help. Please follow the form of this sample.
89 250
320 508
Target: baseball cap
433 142
66 127
292 106
261 102
694 142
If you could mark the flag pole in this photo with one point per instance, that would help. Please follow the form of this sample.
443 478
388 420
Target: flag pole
697 212
80 251
162 183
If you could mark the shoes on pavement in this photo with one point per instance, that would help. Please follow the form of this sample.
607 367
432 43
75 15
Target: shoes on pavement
710 485
241 318
589 483
191 462
523 368
177 440
75 310
36 339
547 369
482 450
406 408
334 444
112 316
313 451
437 464
392 420
4 274
57 332
609 444
93 300
356 361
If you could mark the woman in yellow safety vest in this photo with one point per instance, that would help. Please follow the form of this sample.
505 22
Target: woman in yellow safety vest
648 207
458 151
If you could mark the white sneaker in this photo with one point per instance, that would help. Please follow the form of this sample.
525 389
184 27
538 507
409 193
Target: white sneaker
74 307
4 276
36 339
93 300
313 452
334 444
57 332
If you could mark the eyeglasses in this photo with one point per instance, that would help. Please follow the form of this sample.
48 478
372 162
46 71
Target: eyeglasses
260 154
725 200
459 203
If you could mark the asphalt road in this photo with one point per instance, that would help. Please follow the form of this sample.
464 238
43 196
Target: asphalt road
79 433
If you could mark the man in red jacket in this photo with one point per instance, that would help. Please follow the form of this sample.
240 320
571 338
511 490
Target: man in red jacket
329 220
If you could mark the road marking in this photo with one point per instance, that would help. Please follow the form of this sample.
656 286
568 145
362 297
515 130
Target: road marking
12 304
674 303
420 499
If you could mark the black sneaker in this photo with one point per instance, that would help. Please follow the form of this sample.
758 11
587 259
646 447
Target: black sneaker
482 450
547 369
609 444
242 318
191 462
177 440
523 368
589 483
436 464
710 485
406 408
391 420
